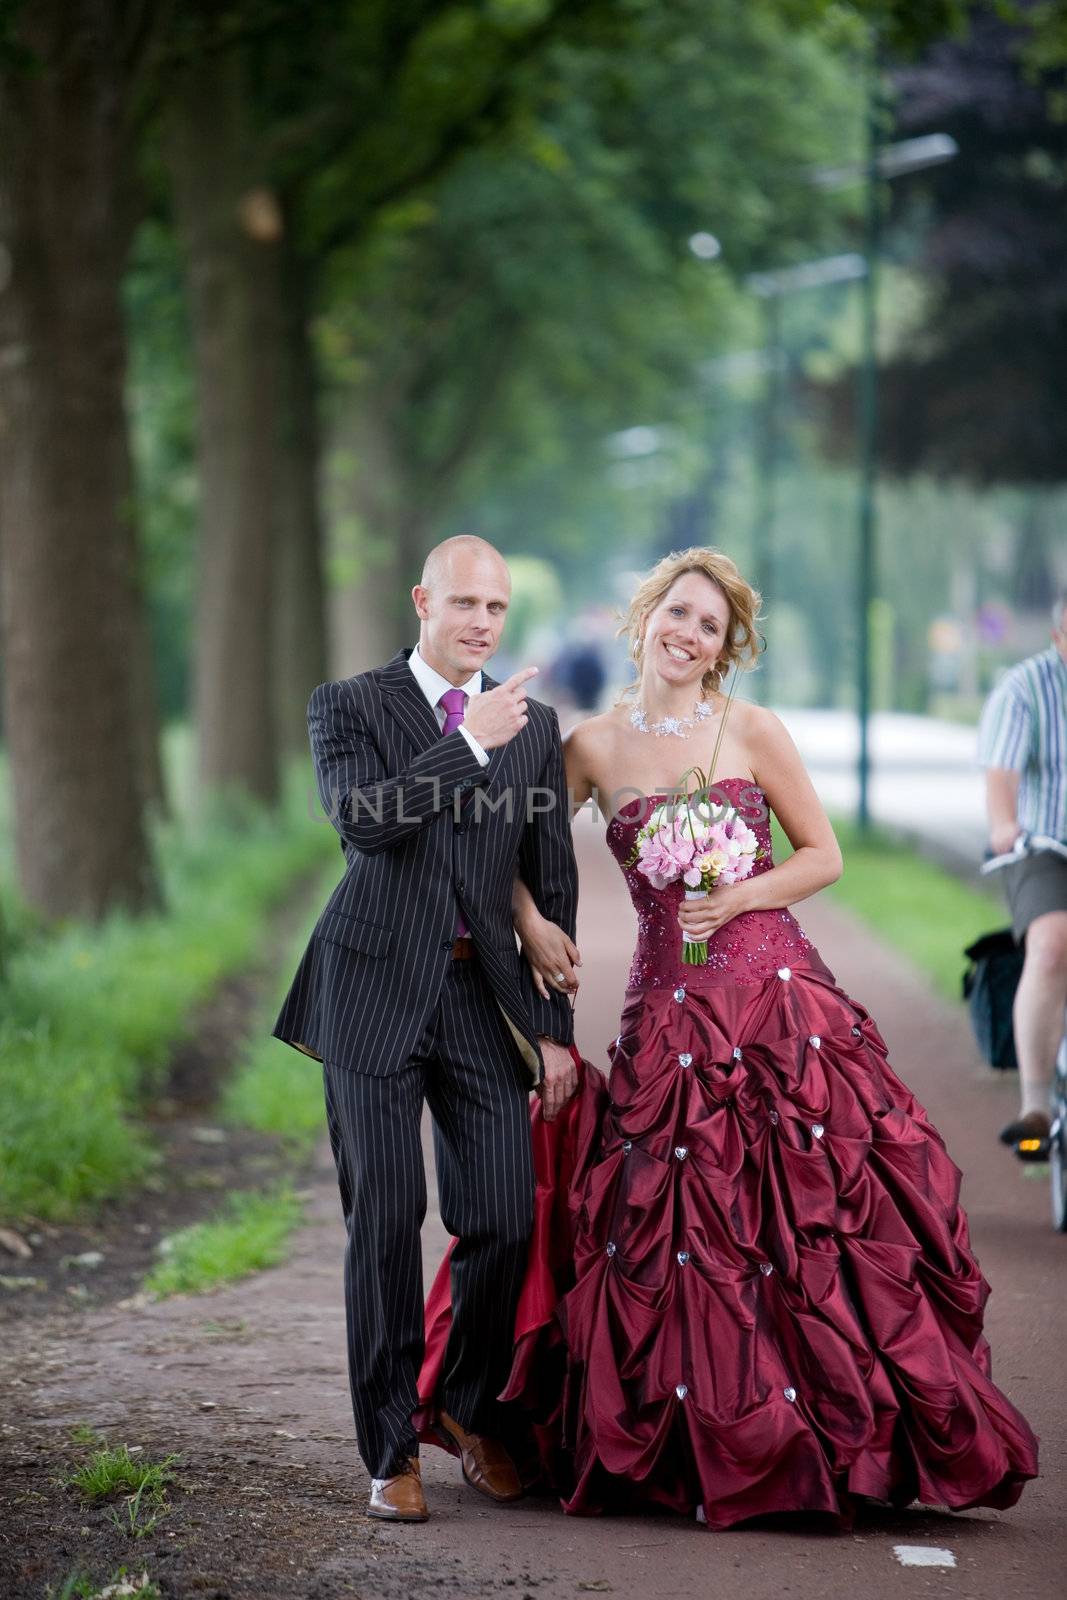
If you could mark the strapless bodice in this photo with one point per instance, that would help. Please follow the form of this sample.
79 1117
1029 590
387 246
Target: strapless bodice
747 949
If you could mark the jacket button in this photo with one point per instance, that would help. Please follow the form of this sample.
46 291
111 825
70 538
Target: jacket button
460 884
446 944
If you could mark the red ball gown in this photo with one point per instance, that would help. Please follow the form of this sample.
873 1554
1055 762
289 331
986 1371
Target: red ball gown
750 1287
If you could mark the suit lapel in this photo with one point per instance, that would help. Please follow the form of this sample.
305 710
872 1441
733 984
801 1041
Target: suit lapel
410 709
407 704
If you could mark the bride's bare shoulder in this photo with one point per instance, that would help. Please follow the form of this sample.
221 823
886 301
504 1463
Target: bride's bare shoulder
759 724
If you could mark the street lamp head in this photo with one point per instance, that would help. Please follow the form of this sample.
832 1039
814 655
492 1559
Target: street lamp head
705 246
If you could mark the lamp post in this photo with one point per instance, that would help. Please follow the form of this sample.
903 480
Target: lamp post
882 162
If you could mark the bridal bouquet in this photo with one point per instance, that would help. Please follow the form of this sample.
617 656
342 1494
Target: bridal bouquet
698 842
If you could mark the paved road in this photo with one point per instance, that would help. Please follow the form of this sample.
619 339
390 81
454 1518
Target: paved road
286 1370
924 776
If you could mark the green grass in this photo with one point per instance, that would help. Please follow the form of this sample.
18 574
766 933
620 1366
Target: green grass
251 1234
83 1433
110 1472
77 1587
910 902
91 1014
273 1087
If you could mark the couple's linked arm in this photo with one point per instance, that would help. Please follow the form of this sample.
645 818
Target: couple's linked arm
548 876
368 808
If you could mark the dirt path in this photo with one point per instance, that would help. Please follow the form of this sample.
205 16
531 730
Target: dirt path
249 1385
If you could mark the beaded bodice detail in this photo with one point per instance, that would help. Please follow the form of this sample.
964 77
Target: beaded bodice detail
747 949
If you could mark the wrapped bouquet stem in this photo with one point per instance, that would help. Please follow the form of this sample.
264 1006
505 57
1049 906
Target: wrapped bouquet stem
694 950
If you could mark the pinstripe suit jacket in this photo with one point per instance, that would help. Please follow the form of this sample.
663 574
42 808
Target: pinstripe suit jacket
423 827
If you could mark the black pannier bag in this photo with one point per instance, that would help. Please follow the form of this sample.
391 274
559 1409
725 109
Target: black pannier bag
989 986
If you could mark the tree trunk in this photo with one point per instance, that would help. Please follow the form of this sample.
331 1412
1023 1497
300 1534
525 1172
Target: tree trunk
230 229
371 614
299 607
68 594
144 683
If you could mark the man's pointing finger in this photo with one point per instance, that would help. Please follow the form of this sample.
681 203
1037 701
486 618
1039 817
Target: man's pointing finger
518 678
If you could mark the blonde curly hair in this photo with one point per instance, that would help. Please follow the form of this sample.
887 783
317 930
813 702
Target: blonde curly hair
743 644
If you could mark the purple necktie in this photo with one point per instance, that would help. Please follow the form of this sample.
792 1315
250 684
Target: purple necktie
455 704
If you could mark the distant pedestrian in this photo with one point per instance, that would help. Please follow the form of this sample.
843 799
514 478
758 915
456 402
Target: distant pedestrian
579 670
1022 744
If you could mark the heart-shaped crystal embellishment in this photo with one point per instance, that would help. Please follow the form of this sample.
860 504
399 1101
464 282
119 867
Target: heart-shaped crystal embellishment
774 1119
679 994
685 1059
814 1041
610 1248
766 1268
683 1257
681 1390
680 1152
784 972
627 1146
790 1394
817 1129
737 1052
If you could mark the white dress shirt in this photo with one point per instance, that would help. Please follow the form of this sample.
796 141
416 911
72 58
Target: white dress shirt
434 686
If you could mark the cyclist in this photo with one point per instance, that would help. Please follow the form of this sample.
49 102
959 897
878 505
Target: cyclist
1022 744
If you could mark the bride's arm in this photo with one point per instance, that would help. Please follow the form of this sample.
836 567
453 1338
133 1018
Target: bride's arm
546 947
790 793
816 861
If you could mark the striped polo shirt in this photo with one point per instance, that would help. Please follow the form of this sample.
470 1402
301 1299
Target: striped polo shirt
1024 728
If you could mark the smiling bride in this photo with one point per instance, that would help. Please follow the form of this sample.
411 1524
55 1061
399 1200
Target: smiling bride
750 1288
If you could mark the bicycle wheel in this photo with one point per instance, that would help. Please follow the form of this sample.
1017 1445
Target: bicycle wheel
1058 1170
1058 1142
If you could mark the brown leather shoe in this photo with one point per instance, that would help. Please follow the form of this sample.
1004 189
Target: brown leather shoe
487 1466
400 1498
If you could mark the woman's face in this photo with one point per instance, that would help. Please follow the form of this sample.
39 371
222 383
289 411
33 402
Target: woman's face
686 632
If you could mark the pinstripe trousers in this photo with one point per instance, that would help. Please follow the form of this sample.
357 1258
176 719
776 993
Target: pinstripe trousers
467 1068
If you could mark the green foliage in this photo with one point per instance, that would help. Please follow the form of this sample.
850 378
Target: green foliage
91 1014
273 1087
110 1471
250 1235
78 1587
926 913
141 1482
82 1433
542 294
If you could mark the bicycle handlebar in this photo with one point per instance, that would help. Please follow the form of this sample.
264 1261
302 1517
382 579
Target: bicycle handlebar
1027 844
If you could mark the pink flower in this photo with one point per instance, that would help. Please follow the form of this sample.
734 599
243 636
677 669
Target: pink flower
719 837
656 860
682 847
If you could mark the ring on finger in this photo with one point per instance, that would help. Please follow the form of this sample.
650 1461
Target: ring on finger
561 977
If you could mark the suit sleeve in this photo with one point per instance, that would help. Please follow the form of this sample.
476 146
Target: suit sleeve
369 809
548 868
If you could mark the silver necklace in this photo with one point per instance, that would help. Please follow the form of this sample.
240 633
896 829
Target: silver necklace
671 725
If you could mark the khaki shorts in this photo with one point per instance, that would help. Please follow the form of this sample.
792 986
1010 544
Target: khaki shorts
1035 886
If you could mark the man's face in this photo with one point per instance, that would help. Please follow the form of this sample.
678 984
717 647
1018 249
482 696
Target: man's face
462 615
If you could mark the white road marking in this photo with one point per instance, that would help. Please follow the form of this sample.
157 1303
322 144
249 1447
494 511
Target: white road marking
923 1555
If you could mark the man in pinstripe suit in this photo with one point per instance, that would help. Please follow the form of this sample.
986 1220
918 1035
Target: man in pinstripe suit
412 988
